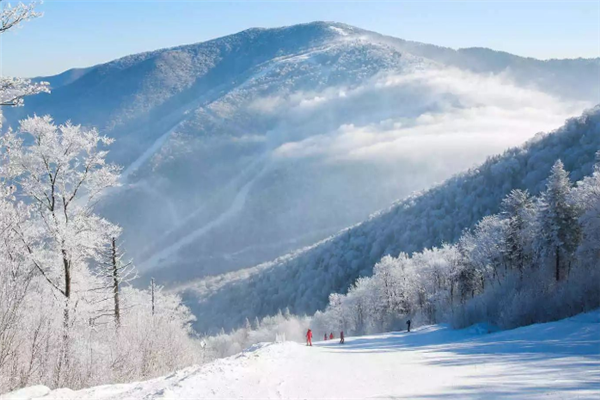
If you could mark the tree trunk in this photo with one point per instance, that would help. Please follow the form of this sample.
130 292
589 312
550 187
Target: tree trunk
63 362
557 264
152 289
115 276
521 264
67 268
63 359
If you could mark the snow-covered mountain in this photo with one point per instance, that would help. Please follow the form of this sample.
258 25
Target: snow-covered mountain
302 281
555 360
243 148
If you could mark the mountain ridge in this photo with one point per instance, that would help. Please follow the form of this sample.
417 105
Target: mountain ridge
312 23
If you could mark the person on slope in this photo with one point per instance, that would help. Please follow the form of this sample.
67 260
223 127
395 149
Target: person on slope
408 325
309 337
331 336
325 337
342 337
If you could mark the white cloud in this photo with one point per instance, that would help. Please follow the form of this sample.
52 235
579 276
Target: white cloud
266 104
440 119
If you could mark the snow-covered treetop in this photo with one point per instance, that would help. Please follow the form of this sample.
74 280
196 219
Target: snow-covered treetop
66 158
61 170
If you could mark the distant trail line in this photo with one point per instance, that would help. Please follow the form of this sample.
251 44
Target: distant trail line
236 206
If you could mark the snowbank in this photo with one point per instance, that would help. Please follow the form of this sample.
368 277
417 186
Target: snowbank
553 360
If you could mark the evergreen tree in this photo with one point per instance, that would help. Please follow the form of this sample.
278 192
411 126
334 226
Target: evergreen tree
557 221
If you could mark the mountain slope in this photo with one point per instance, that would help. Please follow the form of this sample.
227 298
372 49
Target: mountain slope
303 281
552 360
243 148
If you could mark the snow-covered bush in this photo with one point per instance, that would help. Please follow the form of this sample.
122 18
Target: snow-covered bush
282 326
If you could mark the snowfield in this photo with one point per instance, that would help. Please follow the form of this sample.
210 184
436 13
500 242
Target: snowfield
557 360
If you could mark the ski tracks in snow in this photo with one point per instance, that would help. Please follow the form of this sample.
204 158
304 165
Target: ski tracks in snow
237 204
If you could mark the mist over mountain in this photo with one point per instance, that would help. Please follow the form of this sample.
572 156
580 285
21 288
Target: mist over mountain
240 149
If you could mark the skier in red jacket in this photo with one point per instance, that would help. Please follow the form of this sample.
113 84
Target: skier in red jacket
309 338
331 336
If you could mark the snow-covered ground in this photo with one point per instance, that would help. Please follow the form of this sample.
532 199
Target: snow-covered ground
553 360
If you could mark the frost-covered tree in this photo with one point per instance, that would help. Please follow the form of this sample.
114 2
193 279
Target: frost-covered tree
63 286
482 255
11 16
384 274
15 274
61 171
60 289
115 272
586 198
12 90
492 268
338 311
359 302
557 222
159 340
434 276
518 210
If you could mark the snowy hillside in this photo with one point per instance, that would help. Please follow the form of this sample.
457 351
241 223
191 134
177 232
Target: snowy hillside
243 148
555 360
421 221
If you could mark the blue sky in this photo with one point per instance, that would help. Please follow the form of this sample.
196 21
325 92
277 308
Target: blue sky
83 33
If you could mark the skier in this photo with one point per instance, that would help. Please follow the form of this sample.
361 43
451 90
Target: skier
325 337
342 337
408 324
309 337
331 336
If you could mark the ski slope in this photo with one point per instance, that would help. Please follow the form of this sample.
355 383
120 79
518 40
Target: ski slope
558 360
237 204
